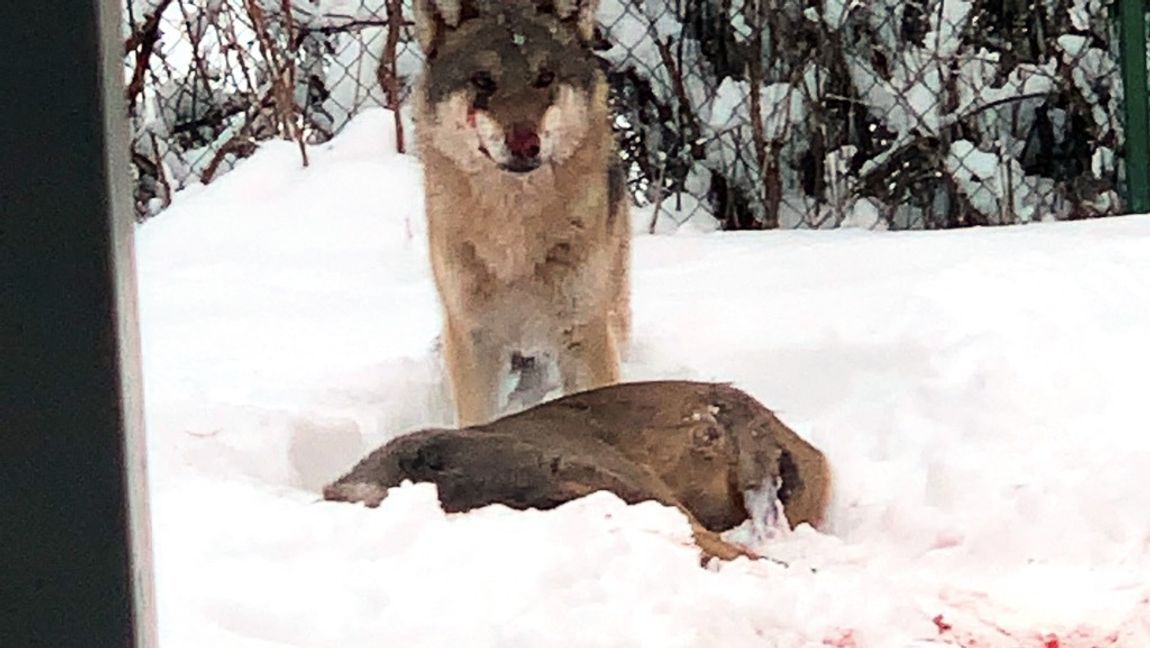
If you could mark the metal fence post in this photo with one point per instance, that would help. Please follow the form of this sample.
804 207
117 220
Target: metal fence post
1132 34
74 529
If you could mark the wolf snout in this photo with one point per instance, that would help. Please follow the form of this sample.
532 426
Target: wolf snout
523 144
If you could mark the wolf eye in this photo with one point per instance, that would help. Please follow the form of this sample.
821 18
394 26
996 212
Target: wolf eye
483 82
544 79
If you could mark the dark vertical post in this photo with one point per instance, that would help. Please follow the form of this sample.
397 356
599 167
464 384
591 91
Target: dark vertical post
1132 33
75 555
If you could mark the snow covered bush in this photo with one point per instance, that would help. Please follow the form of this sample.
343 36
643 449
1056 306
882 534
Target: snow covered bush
765 113
917 114
208 80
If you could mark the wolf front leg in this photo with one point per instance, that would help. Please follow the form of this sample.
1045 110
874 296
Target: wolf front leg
589 356
475 366
621 295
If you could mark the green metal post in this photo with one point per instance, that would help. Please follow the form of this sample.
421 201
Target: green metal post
75 554
1132 32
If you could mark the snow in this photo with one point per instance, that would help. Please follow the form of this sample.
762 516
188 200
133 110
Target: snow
835 13
636 26
781 107
979 394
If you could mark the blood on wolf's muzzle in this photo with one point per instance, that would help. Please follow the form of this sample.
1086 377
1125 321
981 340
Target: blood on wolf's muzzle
524 146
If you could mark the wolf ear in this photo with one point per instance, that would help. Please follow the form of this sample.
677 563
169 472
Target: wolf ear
581 13
434 17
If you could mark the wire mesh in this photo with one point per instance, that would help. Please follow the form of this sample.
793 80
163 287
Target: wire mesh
893 114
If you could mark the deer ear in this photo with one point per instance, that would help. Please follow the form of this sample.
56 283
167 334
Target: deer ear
580 13
433 18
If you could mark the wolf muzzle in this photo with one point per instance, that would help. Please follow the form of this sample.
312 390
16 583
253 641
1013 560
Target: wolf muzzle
524 147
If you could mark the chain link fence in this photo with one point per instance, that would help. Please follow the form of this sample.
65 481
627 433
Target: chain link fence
896 114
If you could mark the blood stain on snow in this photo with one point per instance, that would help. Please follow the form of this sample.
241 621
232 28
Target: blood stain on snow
844 639
942 626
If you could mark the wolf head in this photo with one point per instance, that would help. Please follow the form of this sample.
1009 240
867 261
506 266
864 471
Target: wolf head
509 84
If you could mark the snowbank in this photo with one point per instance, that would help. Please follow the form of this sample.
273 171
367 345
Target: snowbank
980 395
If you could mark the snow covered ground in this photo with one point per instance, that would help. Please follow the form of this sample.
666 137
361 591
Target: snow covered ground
980 395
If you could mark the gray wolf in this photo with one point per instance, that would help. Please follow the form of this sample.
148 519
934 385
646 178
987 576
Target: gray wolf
528 219
708 449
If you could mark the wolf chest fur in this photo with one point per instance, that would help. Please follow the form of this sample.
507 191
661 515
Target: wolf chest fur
527 213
